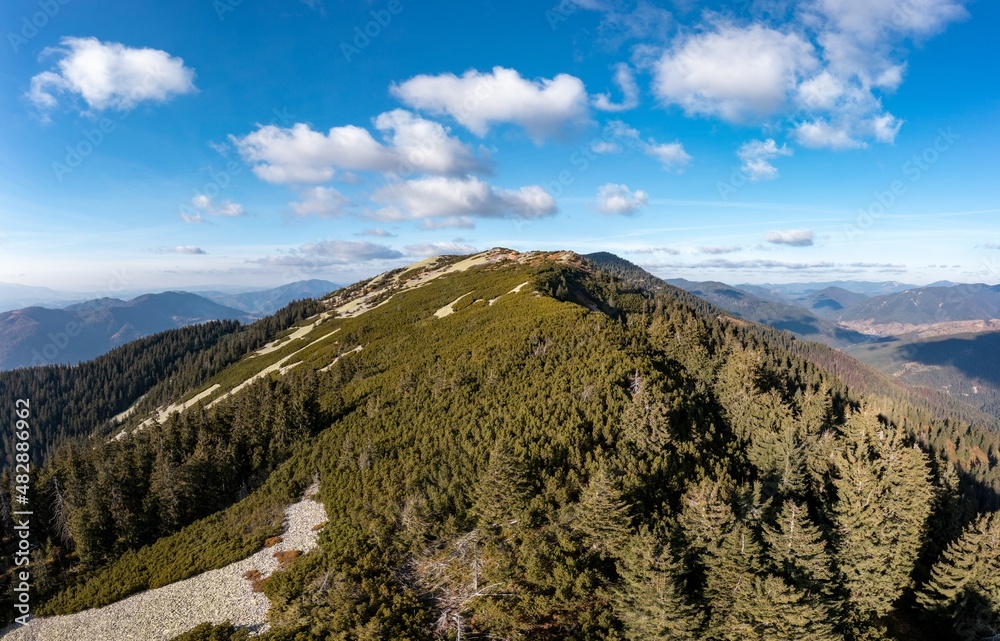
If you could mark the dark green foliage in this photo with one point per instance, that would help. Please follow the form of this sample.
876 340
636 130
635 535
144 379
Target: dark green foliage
611 461
965 584
208 632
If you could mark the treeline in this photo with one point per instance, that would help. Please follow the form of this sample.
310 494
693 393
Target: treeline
71 401
95 501
535 471
587 462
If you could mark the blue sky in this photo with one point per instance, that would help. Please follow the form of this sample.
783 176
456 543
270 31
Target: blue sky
254 142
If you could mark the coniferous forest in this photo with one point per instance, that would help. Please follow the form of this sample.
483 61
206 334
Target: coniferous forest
595 456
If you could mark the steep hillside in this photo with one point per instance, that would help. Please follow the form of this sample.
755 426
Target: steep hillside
518 446
39 336
964 366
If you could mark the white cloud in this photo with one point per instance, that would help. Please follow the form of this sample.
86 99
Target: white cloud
756 156
818 267
377 232
645 21
620 200
885 127
736 73
820 133
109 75
617 135
545 108
454 198
227 208
324 202
716 251
794 237
671 155
425 250
605 147
821 91
185 249
424 145
625 81
332 252
869 21
301 155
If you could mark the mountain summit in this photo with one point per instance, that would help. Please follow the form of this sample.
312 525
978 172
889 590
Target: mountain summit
523 445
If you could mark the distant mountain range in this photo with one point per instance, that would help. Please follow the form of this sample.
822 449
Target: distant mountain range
926 305
268 301
793 315
82 331
255 301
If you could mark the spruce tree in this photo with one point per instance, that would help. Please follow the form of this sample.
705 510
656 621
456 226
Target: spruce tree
965 583
883 501
650 599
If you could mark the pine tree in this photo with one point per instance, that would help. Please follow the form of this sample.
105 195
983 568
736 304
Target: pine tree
601 516
797 550
965 583
501 492
650 599
771 610
883 501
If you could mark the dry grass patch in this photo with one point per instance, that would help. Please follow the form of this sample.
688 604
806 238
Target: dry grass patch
273 541
285 558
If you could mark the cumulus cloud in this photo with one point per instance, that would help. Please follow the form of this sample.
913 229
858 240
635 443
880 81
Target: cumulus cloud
184 249
625 81
732 249
204 204
671 154
619 200
109 75
618 135
794 237
425 250
820 133
670 251
736 73
544 108
324 202
455 200
378 232
644 21
332 252
828 66
756 156
818 267
300 154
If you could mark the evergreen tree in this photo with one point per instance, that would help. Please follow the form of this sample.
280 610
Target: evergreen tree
965 584
501 492
797 550
650 599
883 501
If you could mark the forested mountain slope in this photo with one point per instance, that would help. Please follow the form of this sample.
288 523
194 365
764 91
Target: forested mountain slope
519 446
39 336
